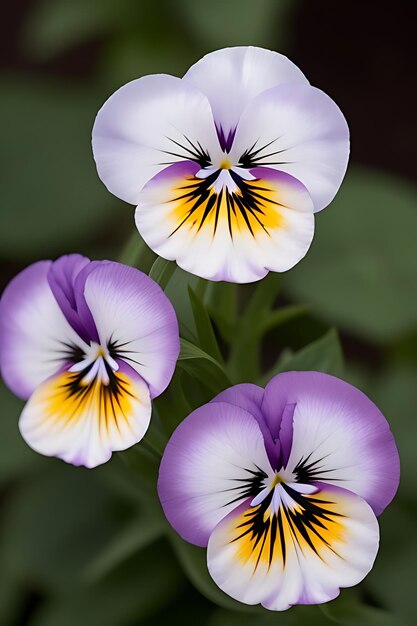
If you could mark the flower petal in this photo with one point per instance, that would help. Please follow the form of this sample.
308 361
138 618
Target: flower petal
132 313
63 276
296 129
266 224
249 397
84 423
231 77
301 554
146 125
339 436
35 336
211 463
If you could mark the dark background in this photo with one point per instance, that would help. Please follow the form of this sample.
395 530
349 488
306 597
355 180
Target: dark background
76 546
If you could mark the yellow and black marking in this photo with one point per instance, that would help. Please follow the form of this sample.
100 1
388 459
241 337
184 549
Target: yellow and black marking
68 399
254 206
262 535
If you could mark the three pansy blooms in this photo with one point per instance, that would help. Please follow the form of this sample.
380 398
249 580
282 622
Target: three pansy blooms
227 167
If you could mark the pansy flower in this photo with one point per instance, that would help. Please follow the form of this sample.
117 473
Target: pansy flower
283 485
226 165
88 344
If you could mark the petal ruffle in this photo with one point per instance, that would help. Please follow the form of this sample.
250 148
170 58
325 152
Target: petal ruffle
84 423
296 129
231 77
338 435
35 337
146 125
214 460
265 224
302 553
135 318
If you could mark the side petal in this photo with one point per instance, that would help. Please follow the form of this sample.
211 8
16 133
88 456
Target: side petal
136 320
265 224
296 555
338 435
296 129
231 77
83 424
146 125
214 460
35 337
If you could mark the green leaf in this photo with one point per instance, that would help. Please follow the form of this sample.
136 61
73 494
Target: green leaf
53 26
162 271
16 457
324 355
351 612
55 523
51 193
173 406
361 271
206 336
244 361
239 22
222 305
395 392
137 254
133 592
194 563
135 536
204 367
297 616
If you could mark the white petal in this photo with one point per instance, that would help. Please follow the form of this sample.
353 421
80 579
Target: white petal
223 242
297 129
257 557
137 132
83 424
231 77
35 336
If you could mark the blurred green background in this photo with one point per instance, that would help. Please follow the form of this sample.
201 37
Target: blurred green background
80 547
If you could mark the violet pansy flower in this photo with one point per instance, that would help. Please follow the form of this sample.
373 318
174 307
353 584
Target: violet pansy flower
88 344
283 485
226 165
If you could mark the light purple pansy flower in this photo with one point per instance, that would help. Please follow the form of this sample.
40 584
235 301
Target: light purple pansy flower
283 485
226 165
88 344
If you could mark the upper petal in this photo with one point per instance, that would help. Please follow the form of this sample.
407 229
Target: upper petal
249 397
35 336
147 124
212 462
84 423
231 77
300 554
63 276
339 436
296 129
132 313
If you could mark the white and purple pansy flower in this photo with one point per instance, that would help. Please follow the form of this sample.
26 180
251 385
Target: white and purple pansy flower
88 344
227 165
283 485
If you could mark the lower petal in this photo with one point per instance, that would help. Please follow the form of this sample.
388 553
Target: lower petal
84 423
298 555
265 224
